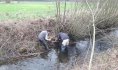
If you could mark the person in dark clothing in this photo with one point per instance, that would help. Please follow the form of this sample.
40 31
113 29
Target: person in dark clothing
43 38
63 39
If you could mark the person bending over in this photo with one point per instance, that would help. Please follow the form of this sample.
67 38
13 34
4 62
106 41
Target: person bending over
63 39
44 38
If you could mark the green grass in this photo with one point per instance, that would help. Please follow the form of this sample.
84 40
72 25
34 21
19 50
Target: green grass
29 10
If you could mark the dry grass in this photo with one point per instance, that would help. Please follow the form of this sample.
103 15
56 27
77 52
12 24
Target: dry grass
107 60
78 22
21 37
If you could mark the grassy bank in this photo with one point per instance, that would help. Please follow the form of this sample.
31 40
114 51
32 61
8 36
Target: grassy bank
29 10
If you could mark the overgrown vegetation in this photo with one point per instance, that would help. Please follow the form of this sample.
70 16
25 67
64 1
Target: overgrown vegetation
93 21
17 38
75 19
78 22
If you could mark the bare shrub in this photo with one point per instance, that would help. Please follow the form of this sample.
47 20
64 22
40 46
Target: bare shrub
106 60
78 22
18 37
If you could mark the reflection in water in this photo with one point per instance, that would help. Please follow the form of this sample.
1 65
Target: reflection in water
47 61
103 45
82 47
51 60
63 57
4 67
44 55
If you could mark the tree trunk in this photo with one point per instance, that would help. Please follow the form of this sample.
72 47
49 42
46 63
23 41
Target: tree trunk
8 1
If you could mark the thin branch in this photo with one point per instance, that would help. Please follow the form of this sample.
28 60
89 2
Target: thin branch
64 12
93 42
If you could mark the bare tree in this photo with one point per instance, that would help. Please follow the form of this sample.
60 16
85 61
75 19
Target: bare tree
8 1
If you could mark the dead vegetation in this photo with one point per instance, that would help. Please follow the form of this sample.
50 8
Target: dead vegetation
107 60
78 22
98 19
19 38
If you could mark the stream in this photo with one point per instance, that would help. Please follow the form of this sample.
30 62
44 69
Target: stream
54 60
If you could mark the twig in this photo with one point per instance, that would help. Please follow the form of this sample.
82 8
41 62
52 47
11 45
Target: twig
93 42
64 13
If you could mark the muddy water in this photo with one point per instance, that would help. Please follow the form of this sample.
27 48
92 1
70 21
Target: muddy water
51 60
46 61
54 60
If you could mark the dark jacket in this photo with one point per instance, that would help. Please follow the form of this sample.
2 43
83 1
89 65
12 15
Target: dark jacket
42 35
62 36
